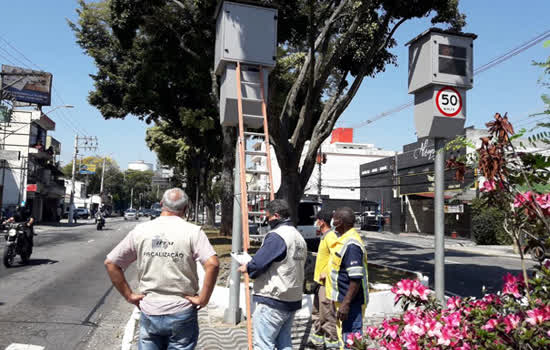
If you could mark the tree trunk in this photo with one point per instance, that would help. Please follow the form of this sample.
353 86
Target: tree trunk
229 142
291 190
210 214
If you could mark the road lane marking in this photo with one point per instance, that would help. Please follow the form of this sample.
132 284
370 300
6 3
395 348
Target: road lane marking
91 240
17 346
453 262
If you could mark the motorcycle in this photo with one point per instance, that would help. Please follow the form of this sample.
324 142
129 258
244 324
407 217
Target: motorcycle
17 243
100 222
538 248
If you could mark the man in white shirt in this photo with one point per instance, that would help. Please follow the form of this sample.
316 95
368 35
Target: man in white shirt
166 250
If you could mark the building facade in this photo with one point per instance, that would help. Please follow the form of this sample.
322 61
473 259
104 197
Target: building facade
336 179
31 174
403 187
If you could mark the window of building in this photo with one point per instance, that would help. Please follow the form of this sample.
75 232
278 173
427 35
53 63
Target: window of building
37 135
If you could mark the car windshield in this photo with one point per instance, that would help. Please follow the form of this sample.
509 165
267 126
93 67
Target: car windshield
131 211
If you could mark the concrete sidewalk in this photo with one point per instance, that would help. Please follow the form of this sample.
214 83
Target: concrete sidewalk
455 244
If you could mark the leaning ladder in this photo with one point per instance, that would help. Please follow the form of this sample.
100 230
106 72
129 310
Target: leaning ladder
243 171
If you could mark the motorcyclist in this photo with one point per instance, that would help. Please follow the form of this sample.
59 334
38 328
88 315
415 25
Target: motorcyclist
100 214
24 215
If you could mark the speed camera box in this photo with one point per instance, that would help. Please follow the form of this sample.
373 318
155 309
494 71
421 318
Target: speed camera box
245 33
440 57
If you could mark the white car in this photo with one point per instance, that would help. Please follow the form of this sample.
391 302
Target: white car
131 214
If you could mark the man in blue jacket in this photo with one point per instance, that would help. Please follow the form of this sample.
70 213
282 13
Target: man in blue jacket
278 270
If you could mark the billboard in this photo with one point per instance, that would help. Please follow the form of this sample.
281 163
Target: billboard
87 169
27 85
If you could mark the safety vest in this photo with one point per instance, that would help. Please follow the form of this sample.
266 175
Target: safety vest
338 250
284 279
323 256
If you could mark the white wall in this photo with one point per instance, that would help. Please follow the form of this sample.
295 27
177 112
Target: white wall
15 175
341 168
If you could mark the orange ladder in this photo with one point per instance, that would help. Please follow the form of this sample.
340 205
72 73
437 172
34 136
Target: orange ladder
243 171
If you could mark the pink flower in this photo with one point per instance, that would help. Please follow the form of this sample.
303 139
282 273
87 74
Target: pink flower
490 325
537 316
511 285
394 345
512 322
410 288
390 330
488 186
447 336
453 319
433 328
373 332
522 198
464 346
453 303
543 200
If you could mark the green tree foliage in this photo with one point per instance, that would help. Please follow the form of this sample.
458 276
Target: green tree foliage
487 224
154 61
197 164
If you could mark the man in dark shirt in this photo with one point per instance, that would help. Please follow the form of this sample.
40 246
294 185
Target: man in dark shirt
278 270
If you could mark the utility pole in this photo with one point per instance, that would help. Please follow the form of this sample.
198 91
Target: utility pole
101 185
85 143
131 198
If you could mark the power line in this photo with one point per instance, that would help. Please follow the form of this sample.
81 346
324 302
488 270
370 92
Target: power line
492 63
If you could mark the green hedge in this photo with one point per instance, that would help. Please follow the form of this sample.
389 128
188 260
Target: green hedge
487 224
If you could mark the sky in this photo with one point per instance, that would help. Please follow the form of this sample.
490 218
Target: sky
36 34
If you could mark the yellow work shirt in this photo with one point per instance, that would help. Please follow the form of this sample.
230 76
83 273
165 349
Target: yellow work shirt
323 256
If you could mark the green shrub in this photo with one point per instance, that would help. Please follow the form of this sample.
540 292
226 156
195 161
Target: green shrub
487 224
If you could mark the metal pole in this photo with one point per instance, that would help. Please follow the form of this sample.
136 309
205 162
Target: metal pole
101 185
233 313
71 200
439 220
132 198
319 184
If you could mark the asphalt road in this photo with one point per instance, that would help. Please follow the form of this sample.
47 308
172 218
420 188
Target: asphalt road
465 274
59 298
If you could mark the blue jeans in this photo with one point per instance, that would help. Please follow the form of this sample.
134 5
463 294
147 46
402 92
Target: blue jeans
179 331
272 328
354 322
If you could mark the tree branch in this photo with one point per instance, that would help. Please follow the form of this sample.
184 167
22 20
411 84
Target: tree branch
291 97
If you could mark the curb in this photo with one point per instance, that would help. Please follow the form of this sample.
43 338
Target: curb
459 249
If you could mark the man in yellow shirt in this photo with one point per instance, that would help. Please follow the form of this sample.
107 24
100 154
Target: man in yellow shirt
324 335
347 282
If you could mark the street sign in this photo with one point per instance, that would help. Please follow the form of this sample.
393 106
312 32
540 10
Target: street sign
448 101
9 155
454 209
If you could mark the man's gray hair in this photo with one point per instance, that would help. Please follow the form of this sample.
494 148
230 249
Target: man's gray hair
174 200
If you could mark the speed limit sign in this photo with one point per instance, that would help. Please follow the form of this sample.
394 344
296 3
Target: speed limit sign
448 101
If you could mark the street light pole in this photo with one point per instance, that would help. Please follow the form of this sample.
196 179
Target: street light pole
71 200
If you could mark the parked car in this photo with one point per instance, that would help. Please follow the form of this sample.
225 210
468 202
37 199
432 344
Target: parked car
155 213
82 213
131 214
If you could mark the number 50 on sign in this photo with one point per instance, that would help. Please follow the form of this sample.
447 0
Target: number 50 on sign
448 101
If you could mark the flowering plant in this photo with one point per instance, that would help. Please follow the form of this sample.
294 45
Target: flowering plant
506 320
